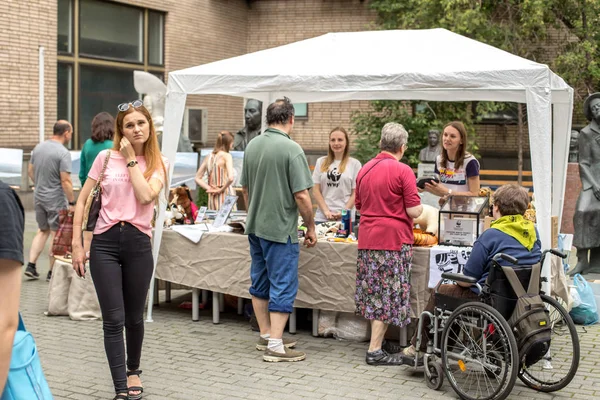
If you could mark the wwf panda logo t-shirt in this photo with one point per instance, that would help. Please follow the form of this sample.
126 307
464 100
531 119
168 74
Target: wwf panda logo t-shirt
336 187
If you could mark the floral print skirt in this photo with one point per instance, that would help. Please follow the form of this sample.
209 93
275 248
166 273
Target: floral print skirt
383 285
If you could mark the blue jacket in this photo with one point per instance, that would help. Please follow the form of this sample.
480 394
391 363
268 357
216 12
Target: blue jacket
492 242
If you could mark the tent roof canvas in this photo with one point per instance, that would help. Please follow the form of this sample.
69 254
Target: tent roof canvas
371 65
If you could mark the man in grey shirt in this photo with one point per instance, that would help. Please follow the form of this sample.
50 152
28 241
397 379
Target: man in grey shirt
50 171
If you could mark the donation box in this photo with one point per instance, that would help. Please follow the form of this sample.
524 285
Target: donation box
461 220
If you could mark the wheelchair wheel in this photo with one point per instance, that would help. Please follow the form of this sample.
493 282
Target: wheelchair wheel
434 375
479 353
558 368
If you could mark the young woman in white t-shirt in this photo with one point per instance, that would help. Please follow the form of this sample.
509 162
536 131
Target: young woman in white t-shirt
335 178
458 169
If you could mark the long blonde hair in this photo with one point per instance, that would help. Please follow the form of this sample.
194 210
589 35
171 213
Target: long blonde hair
331 157
151 149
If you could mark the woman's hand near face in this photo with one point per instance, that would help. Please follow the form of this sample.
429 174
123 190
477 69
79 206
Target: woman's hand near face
127 149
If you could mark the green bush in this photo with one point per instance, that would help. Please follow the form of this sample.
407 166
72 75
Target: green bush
201 197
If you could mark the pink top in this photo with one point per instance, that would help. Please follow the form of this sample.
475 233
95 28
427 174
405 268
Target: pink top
385 188
118 198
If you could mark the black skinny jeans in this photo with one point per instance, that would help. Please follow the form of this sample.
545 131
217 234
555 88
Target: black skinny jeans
121 265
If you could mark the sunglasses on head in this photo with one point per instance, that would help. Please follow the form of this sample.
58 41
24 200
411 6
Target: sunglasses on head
134 104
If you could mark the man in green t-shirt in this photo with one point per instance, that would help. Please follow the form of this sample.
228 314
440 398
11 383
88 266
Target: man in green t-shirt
276 180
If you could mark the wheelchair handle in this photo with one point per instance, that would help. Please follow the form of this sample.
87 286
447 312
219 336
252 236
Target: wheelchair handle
505 257
552 251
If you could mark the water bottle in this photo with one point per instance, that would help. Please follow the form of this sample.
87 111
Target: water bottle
346 223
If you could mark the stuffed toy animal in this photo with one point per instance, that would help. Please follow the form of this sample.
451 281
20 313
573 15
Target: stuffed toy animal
179 216
428 220
169 220
182 197
485 191
530 213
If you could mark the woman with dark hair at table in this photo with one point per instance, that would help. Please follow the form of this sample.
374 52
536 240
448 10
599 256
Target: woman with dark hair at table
457 168
103 130
387 198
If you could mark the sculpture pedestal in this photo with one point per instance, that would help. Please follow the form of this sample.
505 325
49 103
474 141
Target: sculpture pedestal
572 190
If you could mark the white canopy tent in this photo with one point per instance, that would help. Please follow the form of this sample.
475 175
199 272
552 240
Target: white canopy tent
434 65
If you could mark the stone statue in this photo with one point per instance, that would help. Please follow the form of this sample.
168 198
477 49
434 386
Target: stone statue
154 100
429 153
253 118
586 220
574 147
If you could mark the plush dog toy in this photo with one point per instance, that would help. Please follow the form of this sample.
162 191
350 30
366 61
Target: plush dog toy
181 197
428 220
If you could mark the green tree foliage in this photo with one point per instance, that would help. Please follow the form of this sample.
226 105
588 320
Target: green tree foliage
579 61
520 27
416 117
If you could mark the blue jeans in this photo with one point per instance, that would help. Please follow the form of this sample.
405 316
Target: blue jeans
274 272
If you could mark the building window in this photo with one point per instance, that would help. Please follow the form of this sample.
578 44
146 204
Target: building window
155 38
301 110
65 91
100 44
111 31
505 114
102 89
65 26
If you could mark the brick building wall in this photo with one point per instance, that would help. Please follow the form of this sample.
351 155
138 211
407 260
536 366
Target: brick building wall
27 25
196 32
202 31
273 23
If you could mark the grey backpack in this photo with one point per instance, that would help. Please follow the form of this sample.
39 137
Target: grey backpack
530 320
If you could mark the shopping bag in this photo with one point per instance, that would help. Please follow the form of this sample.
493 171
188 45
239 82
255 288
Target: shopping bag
61 245
586 313
26 379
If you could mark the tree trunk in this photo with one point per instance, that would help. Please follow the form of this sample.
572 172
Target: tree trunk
520 145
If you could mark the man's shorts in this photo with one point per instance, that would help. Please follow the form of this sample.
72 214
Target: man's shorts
12 223
47 216
274 272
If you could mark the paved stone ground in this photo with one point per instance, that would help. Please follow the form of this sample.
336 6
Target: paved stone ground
199 360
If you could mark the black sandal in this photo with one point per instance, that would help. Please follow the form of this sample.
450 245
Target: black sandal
134 388
121 397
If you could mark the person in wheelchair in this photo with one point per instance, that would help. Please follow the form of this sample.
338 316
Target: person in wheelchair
510 233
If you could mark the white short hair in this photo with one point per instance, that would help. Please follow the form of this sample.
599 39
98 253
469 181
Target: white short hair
393 137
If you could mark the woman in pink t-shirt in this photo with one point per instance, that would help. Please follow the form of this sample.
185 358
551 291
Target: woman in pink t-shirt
120 256
387 198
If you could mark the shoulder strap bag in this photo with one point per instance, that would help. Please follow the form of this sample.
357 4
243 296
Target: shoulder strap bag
26 379
93 203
